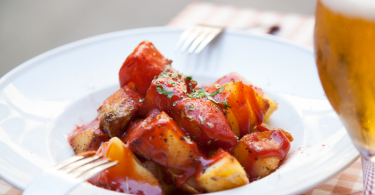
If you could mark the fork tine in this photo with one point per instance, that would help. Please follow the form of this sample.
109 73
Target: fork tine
84 168
183 37
193 35
208 39
92 172
199 39
77 164
72 160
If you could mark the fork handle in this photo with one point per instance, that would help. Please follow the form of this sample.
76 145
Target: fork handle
51 182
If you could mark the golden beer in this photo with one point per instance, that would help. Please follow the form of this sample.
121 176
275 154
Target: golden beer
345 56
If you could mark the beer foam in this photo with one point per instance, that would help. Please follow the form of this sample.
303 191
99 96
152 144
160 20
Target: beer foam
356 8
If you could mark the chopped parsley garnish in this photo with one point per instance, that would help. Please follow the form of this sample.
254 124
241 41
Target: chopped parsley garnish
209 142
195 137
234 81
161 90
225 104
218 91
191 107
135 87
203 93
189 77
172 82
201 119
162 74
174 103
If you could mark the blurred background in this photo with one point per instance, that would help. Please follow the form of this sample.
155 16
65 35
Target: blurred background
29 28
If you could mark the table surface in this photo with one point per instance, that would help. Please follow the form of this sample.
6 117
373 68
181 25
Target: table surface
35 33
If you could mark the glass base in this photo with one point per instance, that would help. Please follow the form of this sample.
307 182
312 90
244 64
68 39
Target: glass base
368 168
369 155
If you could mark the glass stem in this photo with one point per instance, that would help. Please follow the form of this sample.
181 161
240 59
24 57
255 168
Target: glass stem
368 169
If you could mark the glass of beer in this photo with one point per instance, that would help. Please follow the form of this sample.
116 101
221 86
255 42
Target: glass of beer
344 42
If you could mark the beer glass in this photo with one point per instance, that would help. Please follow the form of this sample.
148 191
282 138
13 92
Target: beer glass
344 42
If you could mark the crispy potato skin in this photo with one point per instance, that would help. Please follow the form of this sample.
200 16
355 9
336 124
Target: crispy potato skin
141 66
205 123
129 176
261 152
82 140
117 110
247 106
227 173
160 101
87 138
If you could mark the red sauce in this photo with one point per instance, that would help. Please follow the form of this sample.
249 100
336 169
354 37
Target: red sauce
261 145
99 138
152 139
125 177
245 112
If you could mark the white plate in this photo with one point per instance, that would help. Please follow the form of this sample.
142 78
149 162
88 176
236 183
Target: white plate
43 100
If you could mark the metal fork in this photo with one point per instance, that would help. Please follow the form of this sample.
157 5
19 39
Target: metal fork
197 37
63 177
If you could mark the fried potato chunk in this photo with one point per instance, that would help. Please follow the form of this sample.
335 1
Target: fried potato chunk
205 123
87 138
159 139
170 146
129 176
235 77
141 66
164 92
261 152
227 173
246 107
82 140
117 110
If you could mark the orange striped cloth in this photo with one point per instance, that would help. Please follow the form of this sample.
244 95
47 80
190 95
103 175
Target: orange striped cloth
295 27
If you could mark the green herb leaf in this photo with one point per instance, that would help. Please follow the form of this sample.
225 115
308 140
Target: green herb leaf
135 87
210 124
191 107
218 91
201 119
162 74
174 103
226 106
161 90
189 77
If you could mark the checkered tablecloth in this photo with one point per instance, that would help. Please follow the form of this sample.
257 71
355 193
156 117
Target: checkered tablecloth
295 27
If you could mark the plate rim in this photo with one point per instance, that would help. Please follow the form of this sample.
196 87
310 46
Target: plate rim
25 66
